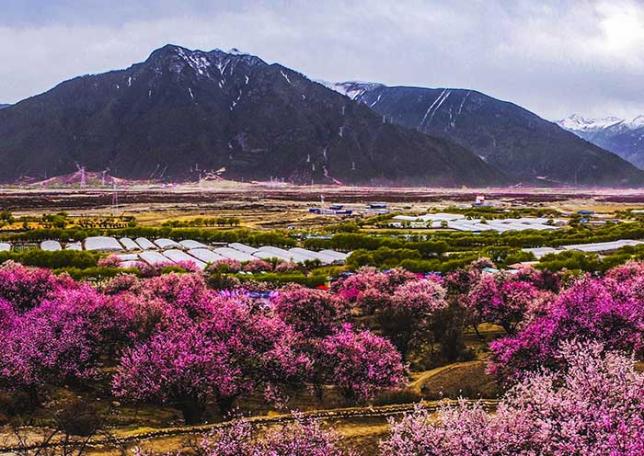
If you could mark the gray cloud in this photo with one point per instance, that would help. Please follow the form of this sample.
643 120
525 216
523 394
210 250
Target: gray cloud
553 57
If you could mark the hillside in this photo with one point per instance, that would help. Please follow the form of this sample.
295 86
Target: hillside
509 137
183 115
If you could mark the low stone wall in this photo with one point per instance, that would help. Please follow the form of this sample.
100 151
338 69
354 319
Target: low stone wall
260 421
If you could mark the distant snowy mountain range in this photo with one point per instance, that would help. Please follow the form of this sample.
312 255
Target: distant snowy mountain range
508 137
625 137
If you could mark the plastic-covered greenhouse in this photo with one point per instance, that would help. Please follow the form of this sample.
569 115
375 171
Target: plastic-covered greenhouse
51 246
177 255
233 254
243 247
153 258
74 246
190 244
205 255
145 244
129 244
164 244
103 243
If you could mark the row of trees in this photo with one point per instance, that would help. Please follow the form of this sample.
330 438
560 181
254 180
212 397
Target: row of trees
593 406
207 235
171 339
441 241
204 221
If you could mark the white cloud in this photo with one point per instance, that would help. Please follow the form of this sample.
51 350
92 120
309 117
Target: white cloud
554 57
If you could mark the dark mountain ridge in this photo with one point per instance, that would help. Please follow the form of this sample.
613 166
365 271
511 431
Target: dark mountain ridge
508 137
183 114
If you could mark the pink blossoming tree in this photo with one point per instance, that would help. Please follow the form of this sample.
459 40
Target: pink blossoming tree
218 359
360 363
25 288
590 309
408 316
303 437
315 313
595 406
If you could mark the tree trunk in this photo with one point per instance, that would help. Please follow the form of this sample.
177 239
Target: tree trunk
226 405
193 411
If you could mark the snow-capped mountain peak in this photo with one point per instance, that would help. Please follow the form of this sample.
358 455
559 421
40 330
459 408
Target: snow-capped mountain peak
622 136
579 123
636 122
352 89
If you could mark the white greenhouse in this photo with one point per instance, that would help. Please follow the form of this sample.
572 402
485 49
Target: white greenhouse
74 246
190 244
337 256
145 244
164 244
129 244
153 258
205 255
51 246
103 243
268 255
177 255
233 254
243 247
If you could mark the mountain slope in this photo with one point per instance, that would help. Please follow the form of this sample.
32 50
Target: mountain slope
185 114
516 141
622 136
2 106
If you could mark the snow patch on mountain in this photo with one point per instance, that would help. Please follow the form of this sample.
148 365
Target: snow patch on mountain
351 89
579 123
576 122
625 137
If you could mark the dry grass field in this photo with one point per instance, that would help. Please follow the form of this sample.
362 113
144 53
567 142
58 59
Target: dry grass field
281 206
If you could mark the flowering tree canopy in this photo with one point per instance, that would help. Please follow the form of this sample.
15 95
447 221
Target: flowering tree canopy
407 316
25 288
595 406
60 340
591 309
303 437
360 363
219 359
315 313
503 300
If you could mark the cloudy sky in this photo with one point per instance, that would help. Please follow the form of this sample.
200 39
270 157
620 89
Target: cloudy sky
553 57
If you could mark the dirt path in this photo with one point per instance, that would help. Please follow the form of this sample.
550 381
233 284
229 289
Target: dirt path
424 377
